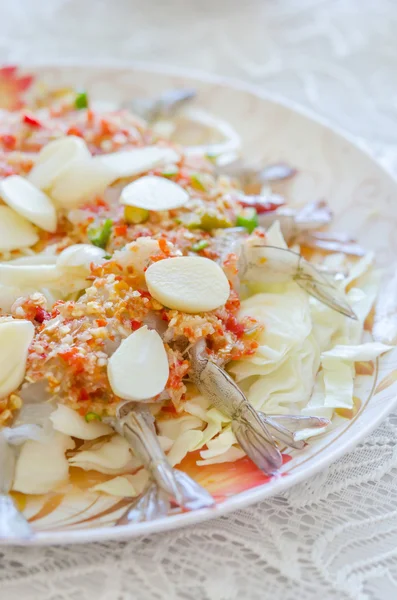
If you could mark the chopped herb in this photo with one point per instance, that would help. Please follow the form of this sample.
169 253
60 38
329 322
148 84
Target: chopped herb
248 219
101 235
81 101
198 246
107 256
92 416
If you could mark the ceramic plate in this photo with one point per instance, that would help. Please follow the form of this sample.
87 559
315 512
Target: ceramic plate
363 198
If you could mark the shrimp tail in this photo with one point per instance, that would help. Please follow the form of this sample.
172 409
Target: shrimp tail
152 504
168 485
13 524
255 439
321 288
180 488
284 428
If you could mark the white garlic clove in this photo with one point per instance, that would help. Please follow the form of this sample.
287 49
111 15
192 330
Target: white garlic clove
191 284
15 231
55 158
154 193
81 255
128 163
29 202
81 181
139 370
16 336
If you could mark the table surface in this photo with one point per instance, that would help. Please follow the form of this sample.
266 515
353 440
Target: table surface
335 536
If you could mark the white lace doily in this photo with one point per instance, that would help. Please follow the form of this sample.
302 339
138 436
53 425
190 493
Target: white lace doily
334 537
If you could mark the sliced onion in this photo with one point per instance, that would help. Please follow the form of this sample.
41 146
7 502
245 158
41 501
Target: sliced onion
15 231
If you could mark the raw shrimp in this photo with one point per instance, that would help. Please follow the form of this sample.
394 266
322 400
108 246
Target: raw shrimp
260 263
166 485
254 431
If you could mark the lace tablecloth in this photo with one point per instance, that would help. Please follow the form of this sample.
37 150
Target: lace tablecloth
335 536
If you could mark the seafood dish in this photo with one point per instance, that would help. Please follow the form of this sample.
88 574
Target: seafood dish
162 301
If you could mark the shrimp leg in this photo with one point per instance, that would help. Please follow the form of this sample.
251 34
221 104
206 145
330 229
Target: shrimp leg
268 264
136 424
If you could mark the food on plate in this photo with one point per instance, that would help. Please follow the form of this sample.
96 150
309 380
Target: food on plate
159 300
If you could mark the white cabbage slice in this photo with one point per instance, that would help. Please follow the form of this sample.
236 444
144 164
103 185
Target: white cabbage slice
231 455
110 457
15 231
69 422
42 466
29 202
287 323
124 486
185 443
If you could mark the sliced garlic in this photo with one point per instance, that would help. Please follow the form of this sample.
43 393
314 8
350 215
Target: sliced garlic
154 193
81 255
68 421
81 181
128 163
191 284
42 466
28 276
28 201
55 158
138 370
16 336
15 231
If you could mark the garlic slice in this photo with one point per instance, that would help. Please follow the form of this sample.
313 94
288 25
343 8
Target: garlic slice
55 158
138 370
15 231
81 181
191 284
28 201
16 336
154 193
68 421
42 466
81 255
128 163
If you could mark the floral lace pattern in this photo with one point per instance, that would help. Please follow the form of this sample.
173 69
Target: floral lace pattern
335 535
